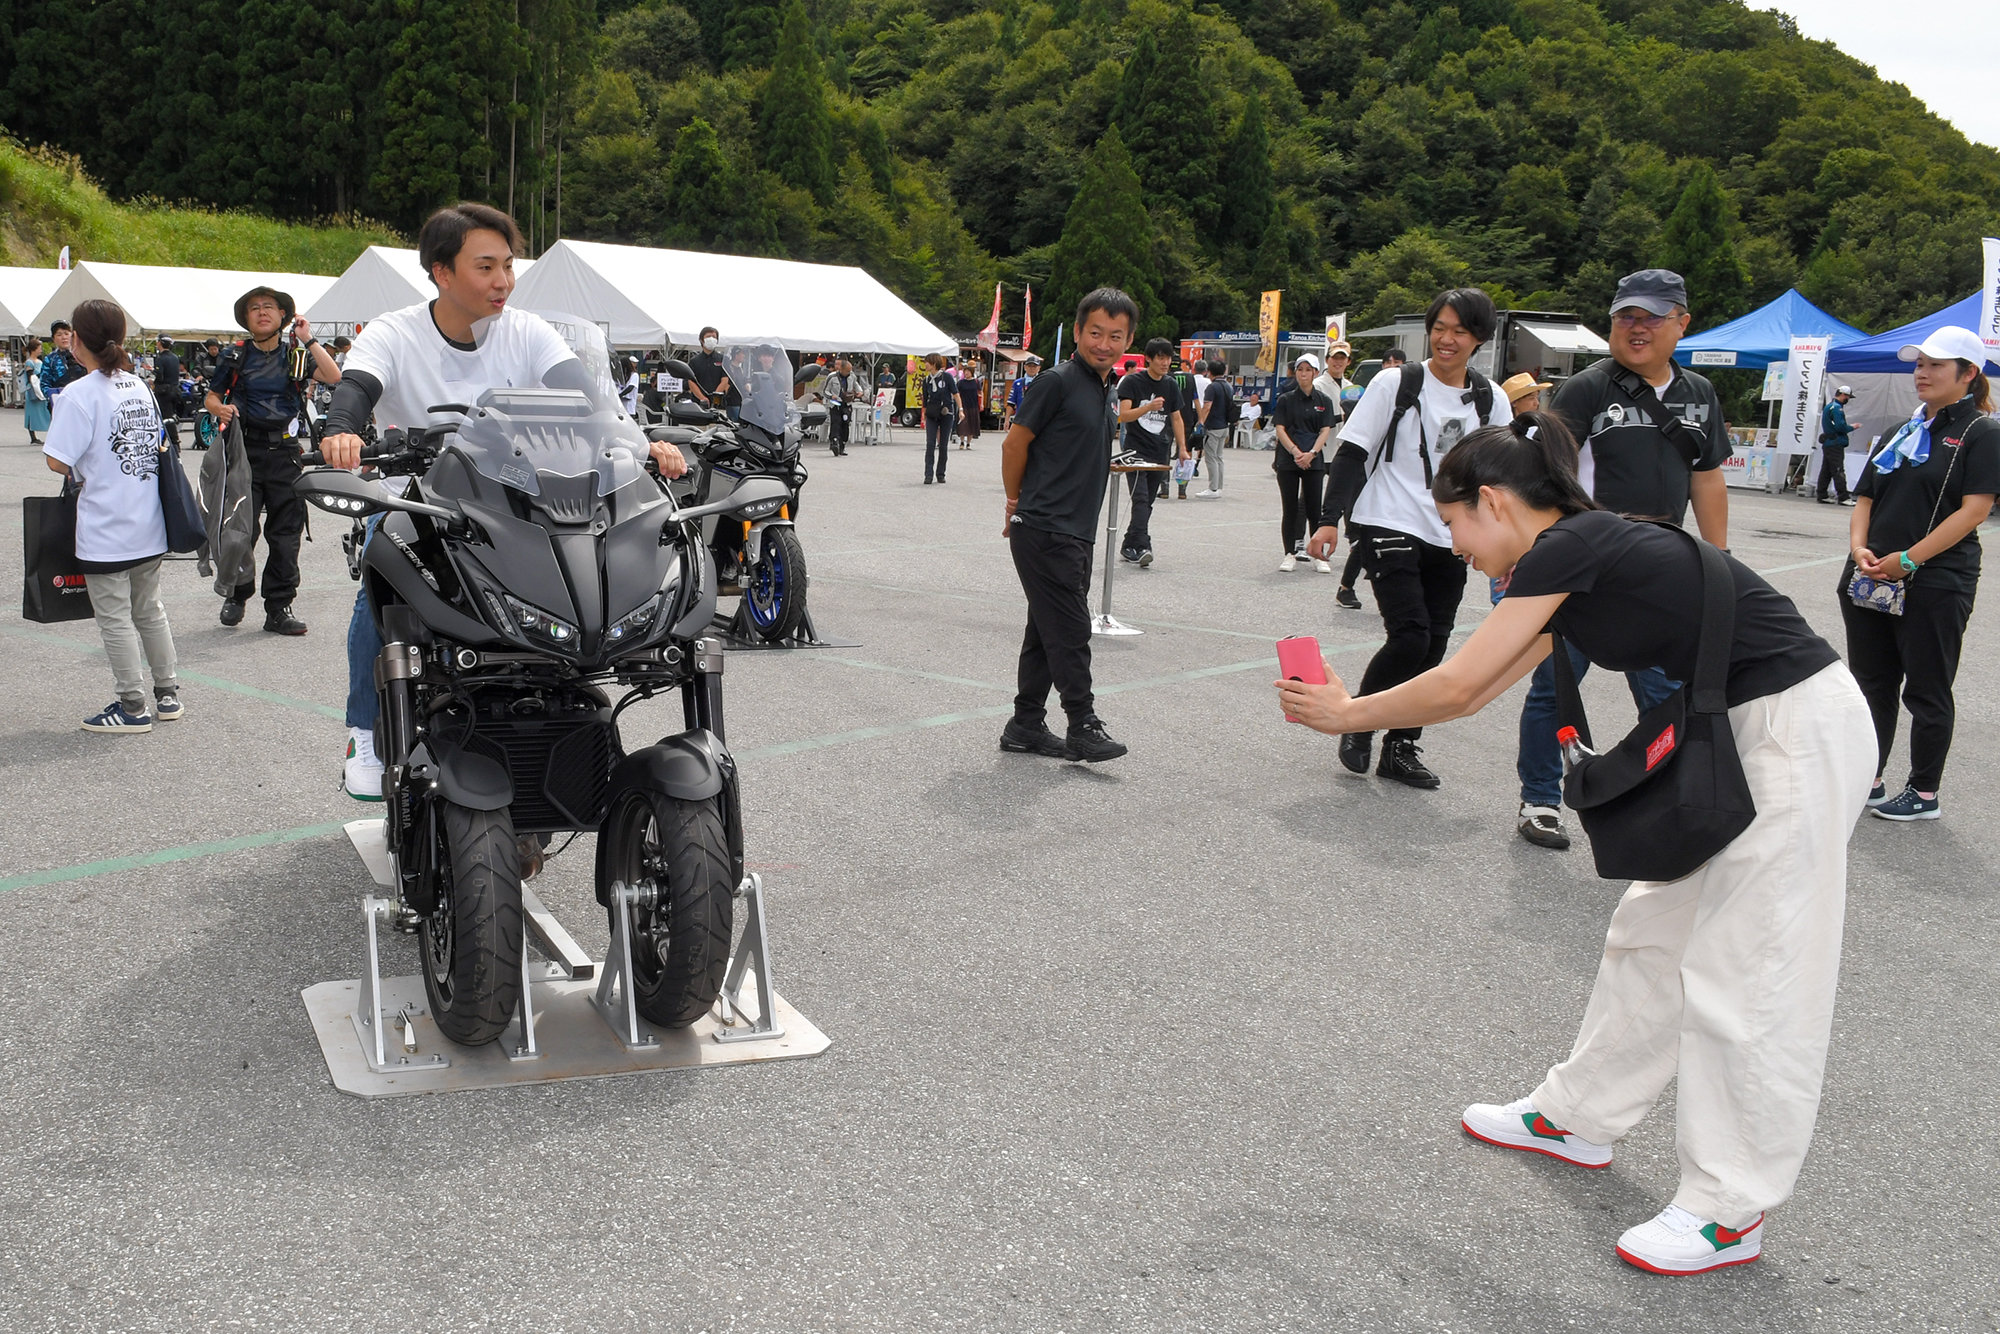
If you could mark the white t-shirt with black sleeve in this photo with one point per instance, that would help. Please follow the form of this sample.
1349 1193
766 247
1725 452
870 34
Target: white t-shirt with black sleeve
1395 495
419 368
106 428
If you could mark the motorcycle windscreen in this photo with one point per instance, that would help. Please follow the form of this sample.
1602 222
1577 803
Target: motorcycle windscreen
763 375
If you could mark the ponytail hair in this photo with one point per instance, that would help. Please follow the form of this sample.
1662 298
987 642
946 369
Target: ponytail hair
1981 389
100 327
1534 456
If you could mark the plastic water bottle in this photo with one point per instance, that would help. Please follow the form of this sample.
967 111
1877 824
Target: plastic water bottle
1573 750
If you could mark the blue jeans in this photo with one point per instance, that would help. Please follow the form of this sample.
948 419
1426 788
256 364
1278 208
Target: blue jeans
1540 762
364 645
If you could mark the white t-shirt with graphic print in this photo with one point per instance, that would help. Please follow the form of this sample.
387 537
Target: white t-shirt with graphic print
1395 496
107 429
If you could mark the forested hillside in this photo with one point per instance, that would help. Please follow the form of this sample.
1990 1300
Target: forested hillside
1358 153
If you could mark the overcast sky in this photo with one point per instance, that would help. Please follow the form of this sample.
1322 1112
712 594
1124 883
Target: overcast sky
1943 51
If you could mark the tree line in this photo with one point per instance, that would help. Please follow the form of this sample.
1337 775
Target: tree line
1360 154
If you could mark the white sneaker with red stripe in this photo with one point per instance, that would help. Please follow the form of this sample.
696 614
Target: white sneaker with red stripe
1678 1242
1519 1126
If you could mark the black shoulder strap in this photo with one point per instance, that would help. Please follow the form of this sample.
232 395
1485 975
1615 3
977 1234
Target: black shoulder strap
1409 392
1672 427
1482 396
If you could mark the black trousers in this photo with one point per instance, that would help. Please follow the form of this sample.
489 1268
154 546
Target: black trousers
1418 587
937 443
1916 653
1353 566
836 426
1833 468
276 508
1055 574
1145 488
1299 499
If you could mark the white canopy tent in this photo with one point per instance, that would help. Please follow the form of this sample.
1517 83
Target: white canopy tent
161 300
653 298
23 293
381 279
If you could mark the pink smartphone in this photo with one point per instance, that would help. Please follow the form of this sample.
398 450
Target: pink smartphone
1299 660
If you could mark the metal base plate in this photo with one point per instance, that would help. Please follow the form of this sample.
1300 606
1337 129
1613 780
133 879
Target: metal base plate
575 1042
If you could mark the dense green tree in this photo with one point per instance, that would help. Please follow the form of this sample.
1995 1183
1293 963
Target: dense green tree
698 184
750 37
1107 241
1695 244
1170 127
1246 172
793 127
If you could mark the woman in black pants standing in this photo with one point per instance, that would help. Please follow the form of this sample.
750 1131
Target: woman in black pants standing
1914 534
1304 418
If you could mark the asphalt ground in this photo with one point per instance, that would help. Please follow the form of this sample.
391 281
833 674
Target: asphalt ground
1179 1042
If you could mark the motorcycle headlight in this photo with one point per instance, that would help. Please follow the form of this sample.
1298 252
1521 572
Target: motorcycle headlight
633 625
539 623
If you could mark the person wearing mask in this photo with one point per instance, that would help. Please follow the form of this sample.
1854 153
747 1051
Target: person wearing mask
105 438
711 385
1149 407
1405 424
1218 420
1915 532
1345 596
1524 392
1721 982
60 367
1653 440
167 388
450 349
1054 465
256 380
1305 421
1834 432
35 404
940 417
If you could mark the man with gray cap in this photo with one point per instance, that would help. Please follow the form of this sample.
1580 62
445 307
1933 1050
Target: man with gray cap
1651 439
1833 434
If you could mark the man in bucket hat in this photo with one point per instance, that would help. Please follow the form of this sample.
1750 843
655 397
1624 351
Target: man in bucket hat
257 387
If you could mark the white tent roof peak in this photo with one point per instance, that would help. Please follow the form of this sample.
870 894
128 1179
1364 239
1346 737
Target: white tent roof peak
158 299
23 293
381 279
655 297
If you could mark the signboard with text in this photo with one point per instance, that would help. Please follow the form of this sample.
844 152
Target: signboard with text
1798 416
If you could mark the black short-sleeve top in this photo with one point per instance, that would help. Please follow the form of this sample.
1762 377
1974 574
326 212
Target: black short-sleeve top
1072 414
1635 602
1914 498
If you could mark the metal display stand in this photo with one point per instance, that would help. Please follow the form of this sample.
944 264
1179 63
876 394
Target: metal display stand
577 1019
1104 623
742 637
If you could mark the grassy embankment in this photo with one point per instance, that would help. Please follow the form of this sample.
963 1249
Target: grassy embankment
46 203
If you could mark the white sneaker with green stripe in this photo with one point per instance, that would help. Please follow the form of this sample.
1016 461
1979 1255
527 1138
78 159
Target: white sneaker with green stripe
1678 1242
1517 1125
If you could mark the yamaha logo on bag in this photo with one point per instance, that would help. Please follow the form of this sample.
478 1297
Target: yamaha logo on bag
69 583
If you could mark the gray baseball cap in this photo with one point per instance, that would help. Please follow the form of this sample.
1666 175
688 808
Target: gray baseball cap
1655 291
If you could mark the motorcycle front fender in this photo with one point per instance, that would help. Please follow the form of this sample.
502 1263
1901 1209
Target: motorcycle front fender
691 766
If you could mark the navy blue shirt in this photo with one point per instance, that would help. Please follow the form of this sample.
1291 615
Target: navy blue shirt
258 384
1071 412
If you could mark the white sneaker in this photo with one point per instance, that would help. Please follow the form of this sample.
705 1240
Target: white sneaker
363 776
1208 495
1519 1126
1288 564
1322 567
1677 1242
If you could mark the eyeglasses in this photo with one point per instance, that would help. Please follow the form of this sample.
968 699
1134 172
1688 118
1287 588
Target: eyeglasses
1639 319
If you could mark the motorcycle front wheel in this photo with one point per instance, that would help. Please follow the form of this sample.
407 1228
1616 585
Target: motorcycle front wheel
471 941
680 946
774 589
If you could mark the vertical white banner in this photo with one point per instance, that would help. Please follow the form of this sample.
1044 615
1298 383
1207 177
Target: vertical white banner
1988 326
1798 425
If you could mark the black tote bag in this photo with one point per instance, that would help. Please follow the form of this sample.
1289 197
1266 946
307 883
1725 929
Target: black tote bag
186 530
53 585
1672 794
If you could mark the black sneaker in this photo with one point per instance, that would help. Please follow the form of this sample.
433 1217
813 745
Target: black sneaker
1129 555
280 621
1356 749
1348 598
1088 741
1401 765
1145 558
1021 738
1543 826
232 611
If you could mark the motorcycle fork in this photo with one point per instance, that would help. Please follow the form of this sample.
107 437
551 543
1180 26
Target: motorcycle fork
701 697
396 671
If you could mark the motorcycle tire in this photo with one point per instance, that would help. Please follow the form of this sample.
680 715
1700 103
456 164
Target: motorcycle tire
470 943
680 946
775 592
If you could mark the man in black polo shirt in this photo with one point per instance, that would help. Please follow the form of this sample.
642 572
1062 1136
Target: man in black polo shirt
167 388
1149 405
1054 464
1652 439
711 378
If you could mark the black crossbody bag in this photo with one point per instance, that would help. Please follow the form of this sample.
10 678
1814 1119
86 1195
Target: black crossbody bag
1672 794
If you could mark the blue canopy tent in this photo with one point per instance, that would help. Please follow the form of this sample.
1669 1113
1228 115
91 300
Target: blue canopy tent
1754 341
1877 355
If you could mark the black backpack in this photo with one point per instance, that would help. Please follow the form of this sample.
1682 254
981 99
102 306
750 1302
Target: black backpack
1409 392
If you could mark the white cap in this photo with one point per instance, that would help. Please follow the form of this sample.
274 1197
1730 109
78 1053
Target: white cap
1948 342
1306 359
1843 390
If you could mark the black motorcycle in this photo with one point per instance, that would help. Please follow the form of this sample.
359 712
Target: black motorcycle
534 568
764 560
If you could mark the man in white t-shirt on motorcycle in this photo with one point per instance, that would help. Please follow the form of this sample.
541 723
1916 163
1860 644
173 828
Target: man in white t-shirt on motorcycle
447 350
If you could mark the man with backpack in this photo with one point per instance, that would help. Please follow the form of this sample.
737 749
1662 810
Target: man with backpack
1651 439
1382 474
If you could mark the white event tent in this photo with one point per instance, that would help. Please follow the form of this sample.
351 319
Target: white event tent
381 279
175 301
653 298
23 293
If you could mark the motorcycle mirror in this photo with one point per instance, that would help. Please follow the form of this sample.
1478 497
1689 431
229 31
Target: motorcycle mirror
338 491
810 373
751 498
677 368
